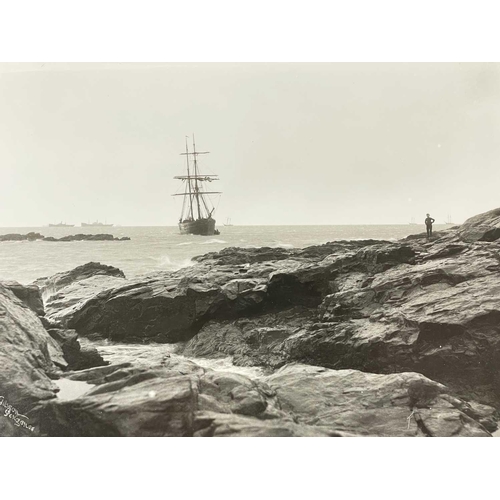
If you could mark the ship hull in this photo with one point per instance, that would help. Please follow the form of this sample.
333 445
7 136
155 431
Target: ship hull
201 227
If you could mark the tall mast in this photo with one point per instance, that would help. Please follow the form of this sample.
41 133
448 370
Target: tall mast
196 188
189 182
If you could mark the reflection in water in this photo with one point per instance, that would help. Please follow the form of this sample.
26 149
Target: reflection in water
71 389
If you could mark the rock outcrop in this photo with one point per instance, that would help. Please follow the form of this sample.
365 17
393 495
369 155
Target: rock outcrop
74 237
400 404
78 357
412 305
29 294
482 227
369 338
179 398
21 237
64 293
87 237
29 357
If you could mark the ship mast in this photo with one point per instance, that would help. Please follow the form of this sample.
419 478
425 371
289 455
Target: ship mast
196 188
194 185
189 182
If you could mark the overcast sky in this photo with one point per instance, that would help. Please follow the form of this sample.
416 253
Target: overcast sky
292 143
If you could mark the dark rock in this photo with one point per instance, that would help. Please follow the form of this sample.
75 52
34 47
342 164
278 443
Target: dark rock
85 237
298 400
439 318
429 306
255 341
63 303
60 280
21 237
29 357
29 294
167 307
402 404
77 357
170 307
66 292
75 237
210 424
426 306
482 227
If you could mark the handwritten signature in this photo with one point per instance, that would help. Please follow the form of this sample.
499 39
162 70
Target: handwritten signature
12 413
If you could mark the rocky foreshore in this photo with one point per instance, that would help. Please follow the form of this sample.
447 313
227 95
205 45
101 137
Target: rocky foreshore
74 237
363 338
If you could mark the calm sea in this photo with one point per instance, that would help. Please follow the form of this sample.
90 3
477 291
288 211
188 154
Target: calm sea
163 248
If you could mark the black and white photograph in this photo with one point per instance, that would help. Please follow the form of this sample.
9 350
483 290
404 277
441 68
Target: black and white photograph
329 269
305 246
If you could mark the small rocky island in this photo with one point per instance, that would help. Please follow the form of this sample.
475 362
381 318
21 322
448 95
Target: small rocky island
353 338
74 237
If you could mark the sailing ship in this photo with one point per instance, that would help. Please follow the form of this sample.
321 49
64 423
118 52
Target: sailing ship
412 222
196 215
449 222
61 224
228 222
95 224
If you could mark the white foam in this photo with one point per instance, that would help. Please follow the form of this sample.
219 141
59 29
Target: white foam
211 242
167 263
226 365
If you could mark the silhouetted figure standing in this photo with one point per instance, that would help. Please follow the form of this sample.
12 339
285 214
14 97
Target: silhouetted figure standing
428 224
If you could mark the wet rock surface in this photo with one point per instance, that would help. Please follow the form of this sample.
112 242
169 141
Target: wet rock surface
28 294
430 306
66 292
355 338
29 358
78 357
179 398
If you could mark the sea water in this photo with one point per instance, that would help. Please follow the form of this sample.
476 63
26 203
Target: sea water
163 248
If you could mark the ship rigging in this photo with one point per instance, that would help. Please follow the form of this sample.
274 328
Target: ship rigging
196 215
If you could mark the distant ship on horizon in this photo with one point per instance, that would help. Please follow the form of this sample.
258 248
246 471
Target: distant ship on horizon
96 224
228 222
449 221
412 222
61 224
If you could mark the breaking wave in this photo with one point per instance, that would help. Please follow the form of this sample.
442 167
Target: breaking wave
283 245
211 242
166 263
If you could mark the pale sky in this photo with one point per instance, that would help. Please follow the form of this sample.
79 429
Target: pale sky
302 143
